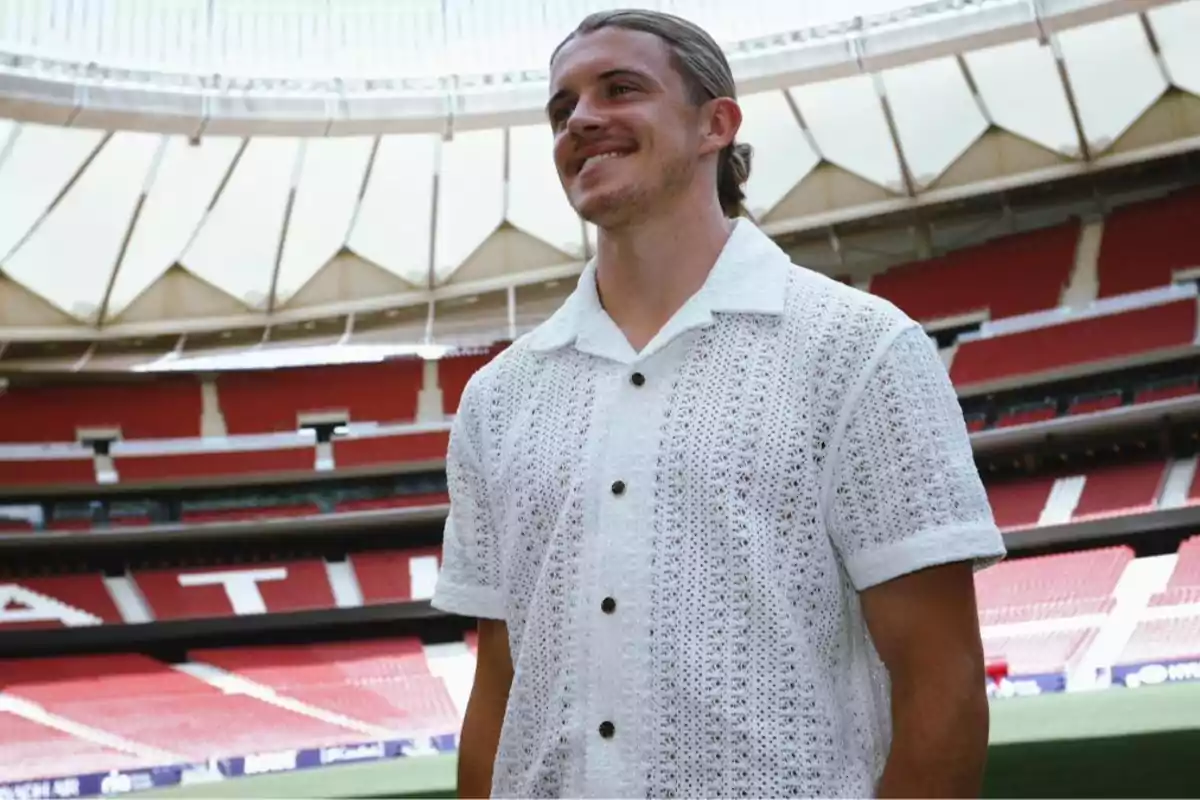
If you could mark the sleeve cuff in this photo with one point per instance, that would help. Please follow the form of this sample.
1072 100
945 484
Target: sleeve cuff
980 543
480 602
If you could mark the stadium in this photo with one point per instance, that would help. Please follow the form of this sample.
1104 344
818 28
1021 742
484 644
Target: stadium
251 252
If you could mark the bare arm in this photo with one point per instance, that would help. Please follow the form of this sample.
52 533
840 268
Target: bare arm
485 710
926 630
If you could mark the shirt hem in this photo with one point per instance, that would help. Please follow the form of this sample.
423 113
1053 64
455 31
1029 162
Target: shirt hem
981 544
468 601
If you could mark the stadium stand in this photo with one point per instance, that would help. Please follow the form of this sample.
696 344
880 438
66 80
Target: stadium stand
1070 344
1169 631
403 501
156 468
72 471
1027 414
1018 503
29 749
1183 587
396 576
243 514
173 710
1038 653
1145 244
396 449
1050 587
382 682
1006 277
1038 615
159 409
241 589
1120 489
456 370
55 602
274 400
1092 403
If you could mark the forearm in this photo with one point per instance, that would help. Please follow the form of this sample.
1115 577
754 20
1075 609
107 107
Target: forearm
477 754
939 741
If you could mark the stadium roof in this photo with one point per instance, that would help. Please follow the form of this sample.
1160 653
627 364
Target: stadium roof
378 172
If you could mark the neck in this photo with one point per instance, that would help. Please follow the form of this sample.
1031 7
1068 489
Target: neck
647 270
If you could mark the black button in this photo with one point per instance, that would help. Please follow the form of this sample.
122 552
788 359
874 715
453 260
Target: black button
637 379
608 605
618 487
607 729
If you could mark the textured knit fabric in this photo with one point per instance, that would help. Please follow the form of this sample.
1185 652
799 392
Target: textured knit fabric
676 538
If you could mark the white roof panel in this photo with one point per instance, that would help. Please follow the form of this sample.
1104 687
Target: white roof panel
937 116
238 243
1022 92
331 179
69 258
394 224
41 162
847 121
1177 29
1114 75
181 188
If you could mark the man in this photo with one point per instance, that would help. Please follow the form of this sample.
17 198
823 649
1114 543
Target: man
719 515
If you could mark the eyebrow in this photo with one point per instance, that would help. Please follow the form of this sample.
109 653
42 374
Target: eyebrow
606 75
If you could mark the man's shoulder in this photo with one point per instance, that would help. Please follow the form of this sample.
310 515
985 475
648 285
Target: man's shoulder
828 308
509 368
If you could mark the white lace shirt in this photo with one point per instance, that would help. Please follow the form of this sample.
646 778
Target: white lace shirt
676 538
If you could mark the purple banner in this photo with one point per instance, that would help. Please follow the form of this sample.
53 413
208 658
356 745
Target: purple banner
1153 673
122 782
1027 685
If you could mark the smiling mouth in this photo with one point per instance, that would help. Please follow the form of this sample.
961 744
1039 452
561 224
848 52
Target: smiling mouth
599 159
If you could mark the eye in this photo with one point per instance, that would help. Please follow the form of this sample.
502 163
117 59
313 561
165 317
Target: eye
620 88
558 117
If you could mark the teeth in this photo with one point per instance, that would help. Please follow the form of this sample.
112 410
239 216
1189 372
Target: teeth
601 157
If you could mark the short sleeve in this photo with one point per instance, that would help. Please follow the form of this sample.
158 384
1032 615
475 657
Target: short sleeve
904 492
469 583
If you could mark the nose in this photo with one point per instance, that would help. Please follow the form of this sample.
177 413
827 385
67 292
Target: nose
585 118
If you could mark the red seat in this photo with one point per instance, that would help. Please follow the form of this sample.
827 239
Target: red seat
1142 330
400 449
455 371
399 501
1120 490
1018 503
148 703
241 514
30 750
385 683
1145 244
48 472
1006 277
1095 403
1026 416
242 589
387 577
151 468
57 602
273 400
164 408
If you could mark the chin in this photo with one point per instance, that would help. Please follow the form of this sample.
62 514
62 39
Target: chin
607 209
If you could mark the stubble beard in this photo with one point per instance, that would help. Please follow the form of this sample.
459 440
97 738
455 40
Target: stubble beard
640 199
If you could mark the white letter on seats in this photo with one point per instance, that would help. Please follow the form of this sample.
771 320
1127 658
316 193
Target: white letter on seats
241 586
18 604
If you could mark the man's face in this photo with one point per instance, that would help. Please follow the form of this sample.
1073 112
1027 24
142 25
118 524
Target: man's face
626 135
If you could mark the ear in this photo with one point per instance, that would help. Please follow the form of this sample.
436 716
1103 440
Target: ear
724 117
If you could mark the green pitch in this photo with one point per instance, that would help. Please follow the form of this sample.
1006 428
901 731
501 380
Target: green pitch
1117 743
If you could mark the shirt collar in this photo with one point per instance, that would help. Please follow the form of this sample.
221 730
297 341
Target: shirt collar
749 277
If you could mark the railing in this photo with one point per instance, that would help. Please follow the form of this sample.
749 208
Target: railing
368 39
